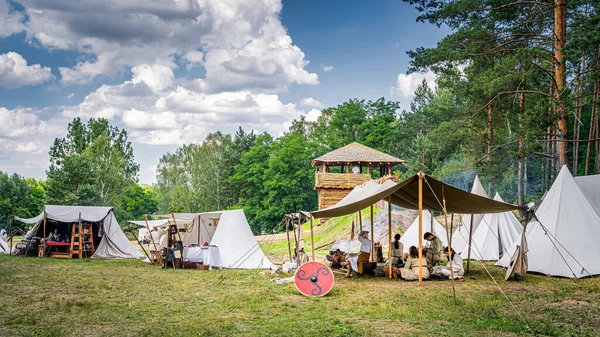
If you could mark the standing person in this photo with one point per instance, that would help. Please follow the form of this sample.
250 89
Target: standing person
455 262
397 251
410 272
435 253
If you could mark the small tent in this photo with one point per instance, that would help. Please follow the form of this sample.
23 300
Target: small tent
227 230
460 238
108 238
430 224
496 233
590 186
565 240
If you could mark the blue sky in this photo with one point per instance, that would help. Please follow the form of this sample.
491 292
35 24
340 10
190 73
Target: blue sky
170 72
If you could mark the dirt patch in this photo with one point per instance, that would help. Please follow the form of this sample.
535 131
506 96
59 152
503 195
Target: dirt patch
570 304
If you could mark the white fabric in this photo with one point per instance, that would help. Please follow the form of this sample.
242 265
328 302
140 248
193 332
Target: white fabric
460 237
155 240
4 249
209 255
590 186
353 262
457 268
411 236
498 226
114 243
142 234
365 244
571 234
237 244
151 223
3 235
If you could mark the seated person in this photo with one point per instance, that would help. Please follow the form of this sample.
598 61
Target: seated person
54 236
397 249
455 261
336 258
410 272
435 252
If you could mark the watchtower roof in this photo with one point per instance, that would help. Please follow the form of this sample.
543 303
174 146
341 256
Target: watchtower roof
356 153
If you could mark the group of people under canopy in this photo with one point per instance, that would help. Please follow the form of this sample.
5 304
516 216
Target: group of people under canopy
436 261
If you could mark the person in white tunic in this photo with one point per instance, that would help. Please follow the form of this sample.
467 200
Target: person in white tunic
356 262
456 264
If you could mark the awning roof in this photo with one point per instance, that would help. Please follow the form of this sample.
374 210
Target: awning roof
151 223
69 214
406 193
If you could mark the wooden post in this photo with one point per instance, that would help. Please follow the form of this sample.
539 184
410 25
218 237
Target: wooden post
199 225
372 241
44 230
390 235
420 227
312 238
287 232
10 229
470 239
152 239
449 249
360 220
80 255
451 229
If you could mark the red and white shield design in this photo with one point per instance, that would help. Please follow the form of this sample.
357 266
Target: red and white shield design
313 279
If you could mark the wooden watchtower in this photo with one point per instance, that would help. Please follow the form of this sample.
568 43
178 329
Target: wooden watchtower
339 171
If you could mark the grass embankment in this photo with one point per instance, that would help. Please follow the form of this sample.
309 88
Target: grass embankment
51 297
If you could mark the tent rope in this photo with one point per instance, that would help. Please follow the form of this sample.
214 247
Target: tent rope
254 248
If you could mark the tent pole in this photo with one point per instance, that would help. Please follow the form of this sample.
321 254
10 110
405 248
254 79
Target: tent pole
360 220
312 238
81 238
287 232
451 223
449 249
372 241
44 230
420 228
199 230
470 239
152 239
389 235
136 239
11 234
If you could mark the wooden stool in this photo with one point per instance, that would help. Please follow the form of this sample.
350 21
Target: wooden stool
369 268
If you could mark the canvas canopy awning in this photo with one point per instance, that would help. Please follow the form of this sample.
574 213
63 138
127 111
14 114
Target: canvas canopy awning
406 194
151 223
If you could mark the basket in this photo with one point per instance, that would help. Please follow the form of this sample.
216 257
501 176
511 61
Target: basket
201 266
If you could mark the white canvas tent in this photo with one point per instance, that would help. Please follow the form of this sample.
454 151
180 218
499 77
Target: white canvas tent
460 238
430 224
227 230
4 249
590 186
565 240
496 233
112 243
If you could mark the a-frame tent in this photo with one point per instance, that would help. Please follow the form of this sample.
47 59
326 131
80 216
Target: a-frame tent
430 224
496 233
460 238
564 242
590 186
109 239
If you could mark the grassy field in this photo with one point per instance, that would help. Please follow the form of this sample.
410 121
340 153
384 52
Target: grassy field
51 297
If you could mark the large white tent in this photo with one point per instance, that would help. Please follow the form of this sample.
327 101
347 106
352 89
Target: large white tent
229 231
590 186
112 241
460 238
430 224
496 233
565 240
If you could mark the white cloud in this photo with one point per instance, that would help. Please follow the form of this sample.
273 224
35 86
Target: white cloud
327 68
15 73
241 45
11 21
312 115
311 102
407 84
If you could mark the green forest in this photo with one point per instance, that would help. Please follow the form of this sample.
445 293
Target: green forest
516 98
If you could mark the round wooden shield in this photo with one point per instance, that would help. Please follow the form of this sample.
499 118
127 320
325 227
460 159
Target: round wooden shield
511 267
313 279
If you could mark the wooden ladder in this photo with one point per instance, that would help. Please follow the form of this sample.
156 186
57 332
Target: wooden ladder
82 240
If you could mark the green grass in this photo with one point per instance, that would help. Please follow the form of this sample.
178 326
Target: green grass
51 297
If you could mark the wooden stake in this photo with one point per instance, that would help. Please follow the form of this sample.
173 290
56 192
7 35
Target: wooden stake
287 232
152 239
372 246
390 234
420 227
449 249
10 228
312 238
470 239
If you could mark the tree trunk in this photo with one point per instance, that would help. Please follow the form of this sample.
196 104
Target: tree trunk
521 179
578 113
560 35
490 139
592 131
